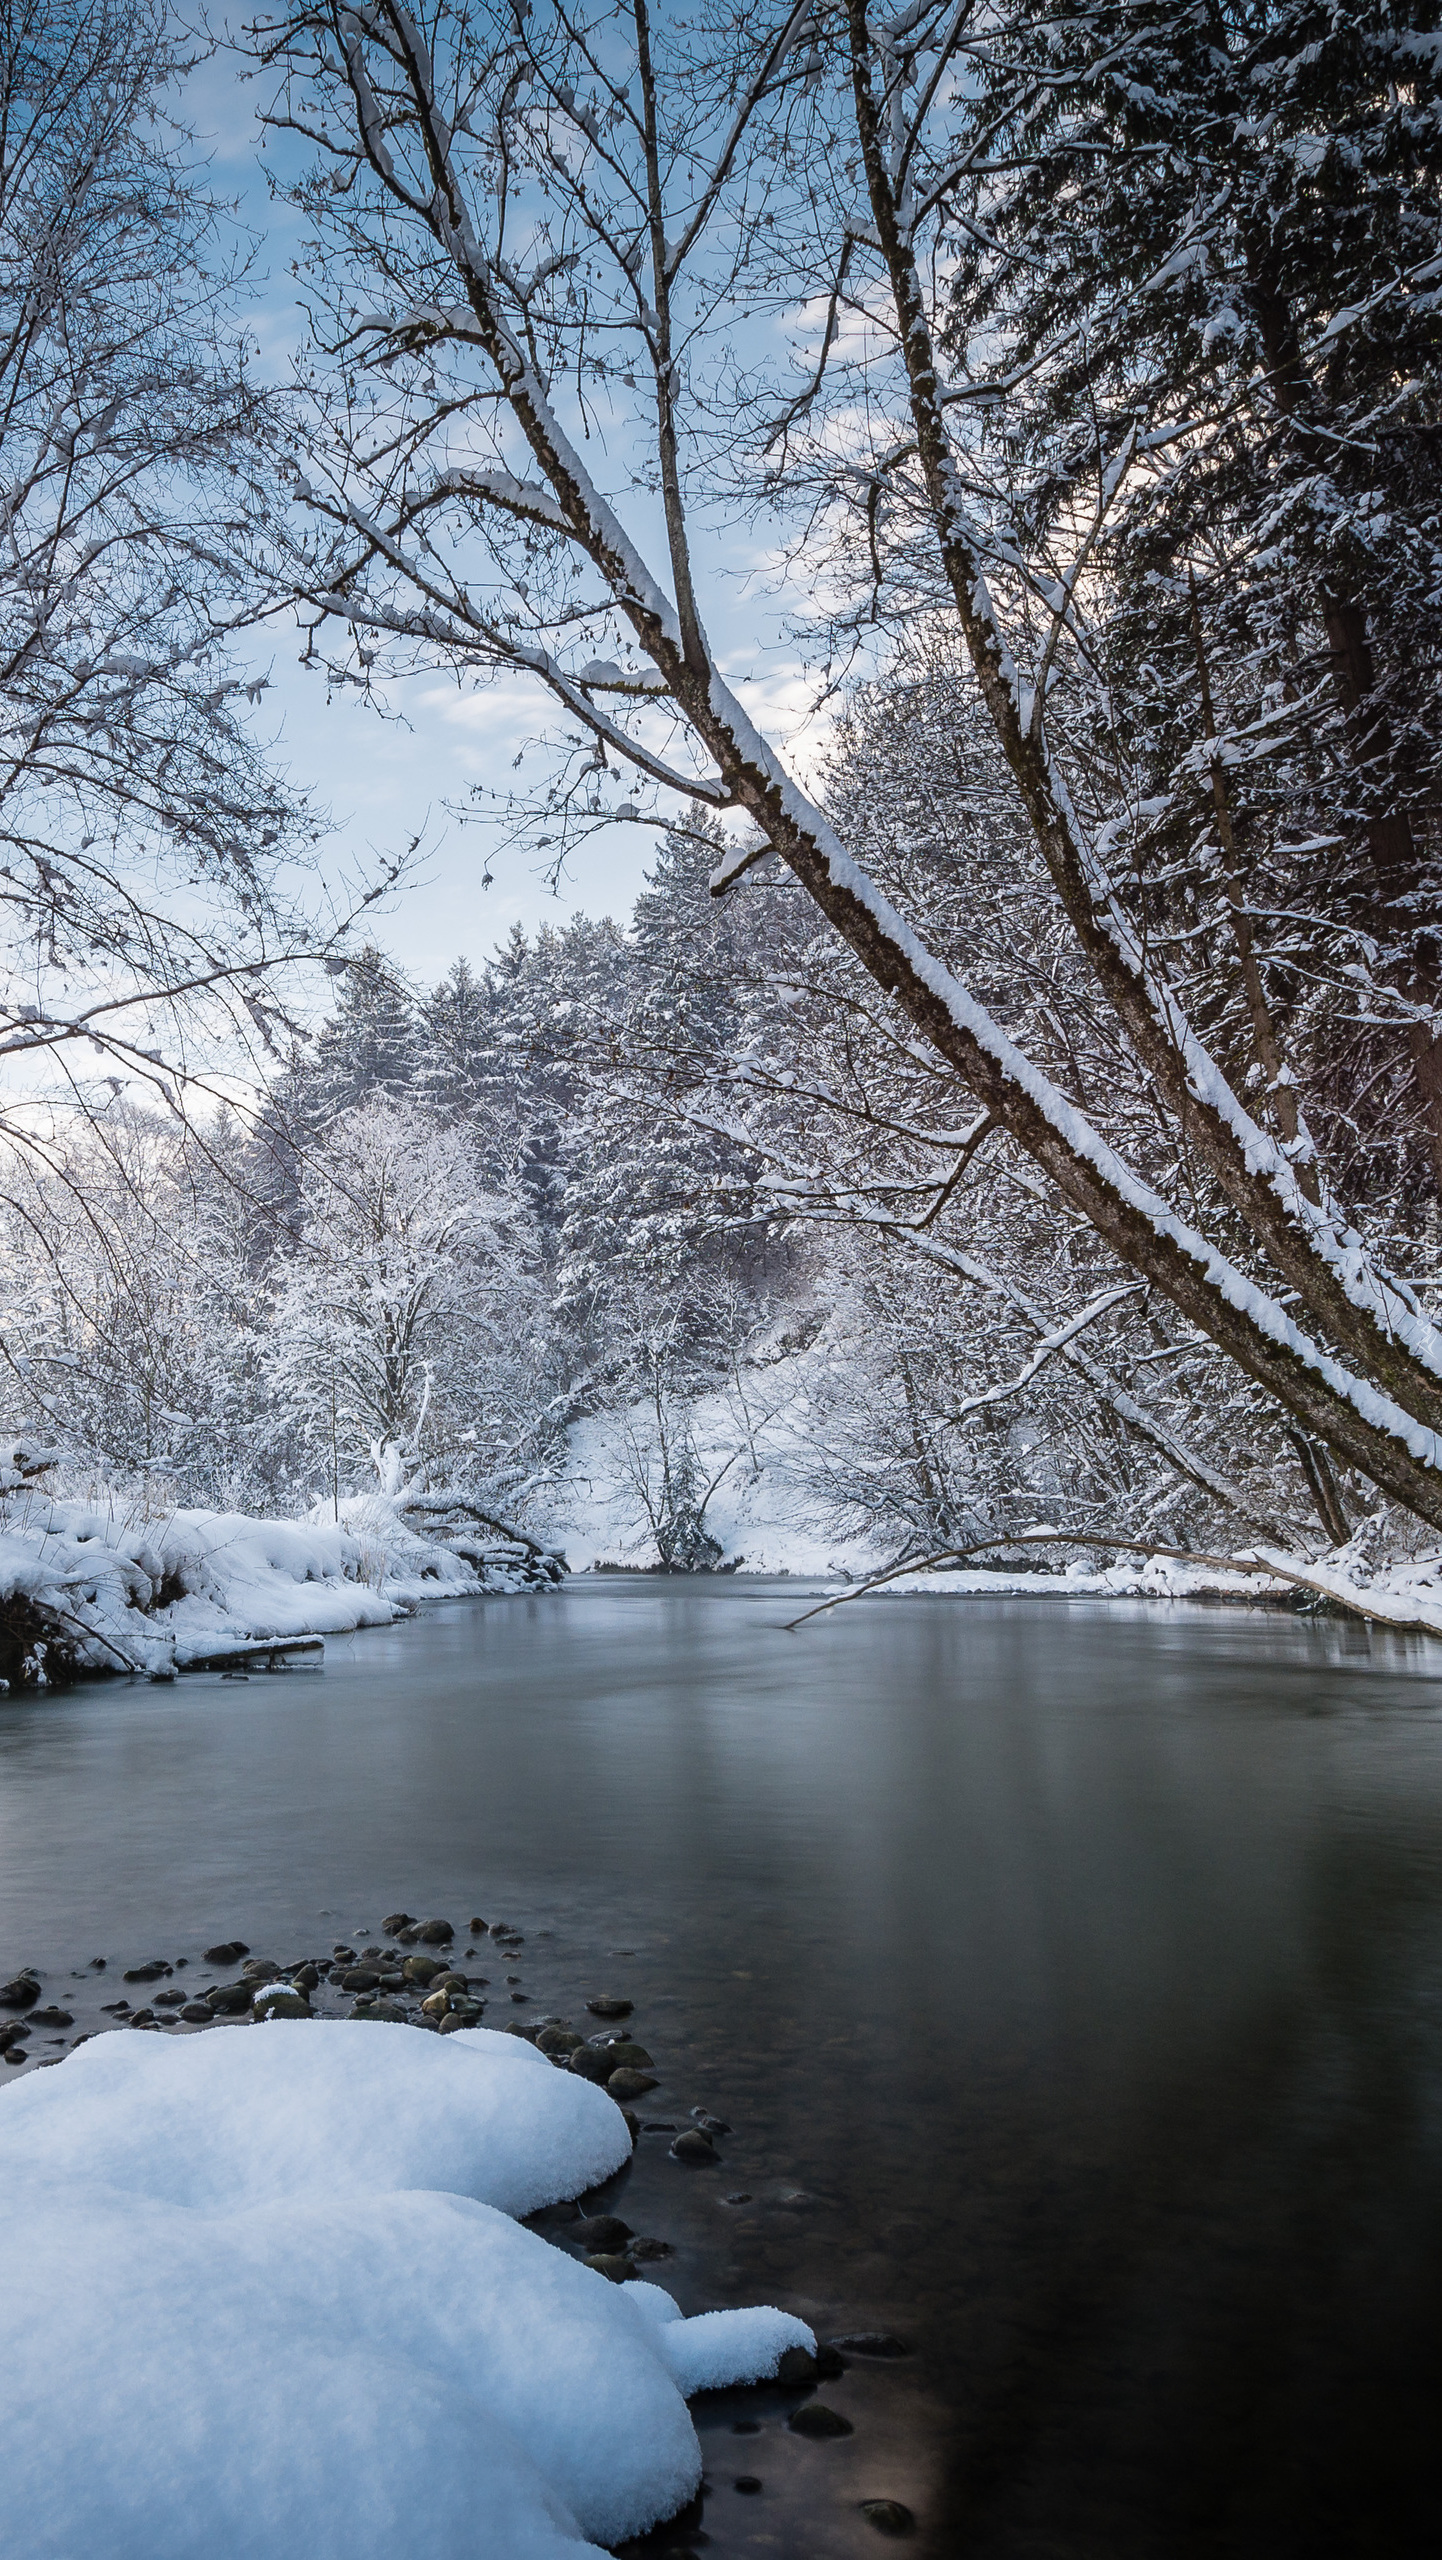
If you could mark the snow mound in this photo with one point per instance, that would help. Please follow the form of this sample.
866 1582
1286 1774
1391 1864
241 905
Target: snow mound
264 2301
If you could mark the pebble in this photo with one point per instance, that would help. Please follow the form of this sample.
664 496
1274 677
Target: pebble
284 2004
813 2418
398 1920
51 2018
229 1951
748 2484
151 1972
798 2365
630 2084
872 2342
228 1997
559 2040
601 2231
478 1928
588 2064
615 2269
198 2012
606 2006
21 1992
436 1933
708 2124
359 1977
888 2515
423 1968
627 2055
694 2148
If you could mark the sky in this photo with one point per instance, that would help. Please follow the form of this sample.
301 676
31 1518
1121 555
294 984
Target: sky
385 780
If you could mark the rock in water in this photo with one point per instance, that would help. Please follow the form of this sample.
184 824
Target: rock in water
606 2005
600 2231
813 2418
871 2342
888 2515
631 2084
589 2064
436 1933
229 1951
398 1920
694 2148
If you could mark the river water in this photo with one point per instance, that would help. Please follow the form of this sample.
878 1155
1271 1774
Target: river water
1070 1975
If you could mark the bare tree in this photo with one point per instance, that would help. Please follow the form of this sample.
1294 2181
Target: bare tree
143 832
532 231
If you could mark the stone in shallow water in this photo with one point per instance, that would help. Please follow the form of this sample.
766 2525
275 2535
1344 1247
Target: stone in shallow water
398 1920
871 2342
600 2231
359 1977
888 2515
51 2018
748 2484
148 1972
20 1993
606 2005
559 2039
436 1933
229 1951
616 2270
813 2418
199 2013
627 2055
694 2148
631 2084
589 2064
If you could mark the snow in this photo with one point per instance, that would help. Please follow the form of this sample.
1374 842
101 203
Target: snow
264 2297
153 1594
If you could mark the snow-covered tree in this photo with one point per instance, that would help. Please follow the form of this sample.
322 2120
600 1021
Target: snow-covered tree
409 1338
144 835
520 224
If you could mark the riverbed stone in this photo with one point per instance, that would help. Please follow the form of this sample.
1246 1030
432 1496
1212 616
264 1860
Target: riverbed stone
283 2004
152 1972
198 2012
227 1998
696 2149
600 2231
436 1933
798 2365
872 2342
360 1977
229 1951
606 2005
478 1928
814 2418
888 2515
397 1920
389 2010
631 2084
588 2064
559 2040
625 2053
606 2263
423 1969
21 1992
51 2018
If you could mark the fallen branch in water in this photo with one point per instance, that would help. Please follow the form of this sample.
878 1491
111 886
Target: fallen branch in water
1385 1608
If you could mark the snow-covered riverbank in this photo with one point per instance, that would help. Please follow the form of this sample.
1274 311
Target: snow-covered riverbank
265 2295
95 1587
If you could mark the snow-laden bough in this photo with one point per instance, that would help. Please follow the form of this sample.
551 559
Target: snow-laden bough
265 2296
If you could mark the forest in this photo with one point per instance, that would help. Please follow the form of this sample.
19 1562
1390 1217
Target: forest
1017 1123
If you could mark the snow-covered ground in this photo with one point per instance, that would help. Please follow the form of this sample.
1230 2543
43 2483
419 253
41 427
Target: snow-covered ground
763 1514
265 2299
112 1589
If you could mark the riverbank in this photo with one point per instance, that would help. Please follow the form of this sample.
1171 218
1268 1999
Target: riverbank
90 1588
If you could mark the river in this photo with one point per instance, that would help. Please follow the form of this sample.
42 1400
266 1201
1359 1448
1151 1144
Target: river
1070 1974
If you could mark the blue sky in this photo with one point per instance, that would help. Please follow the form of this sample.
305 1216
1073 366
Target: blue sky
383 779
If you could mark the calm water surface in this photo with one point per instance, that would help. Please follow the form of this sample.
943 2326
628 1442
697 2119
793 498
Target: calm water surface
1080 1966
